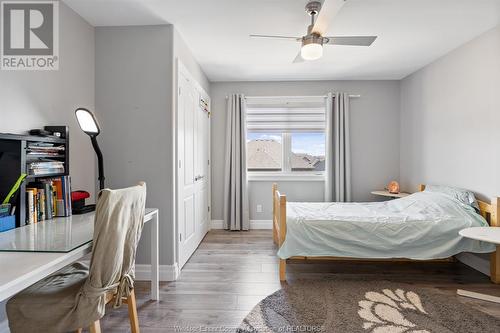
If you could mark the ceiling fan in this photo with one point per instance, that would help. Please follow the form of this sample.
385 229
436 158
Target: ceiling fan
312 43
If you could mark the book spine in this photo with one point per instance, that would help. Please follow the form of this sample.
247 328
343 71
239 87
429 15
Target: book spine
68 195
30 216
42 213
64 190
54 200
58 185
35 204
60 207
48 200
59 197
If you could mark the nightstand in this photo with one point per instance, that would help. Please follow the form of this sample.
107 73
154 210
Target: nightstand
386 193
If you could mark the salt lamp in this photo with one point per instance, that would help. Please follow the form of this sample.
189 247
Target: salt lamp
393 187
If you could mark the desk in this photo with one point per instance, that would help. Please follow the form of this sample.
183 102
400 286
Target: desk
485 234
20 270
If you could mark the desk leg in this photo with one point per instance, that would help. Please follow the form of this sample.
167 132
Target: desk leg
155 265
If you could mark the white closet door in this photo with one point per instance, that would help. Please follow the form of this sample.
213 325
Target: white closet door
201 178
193 151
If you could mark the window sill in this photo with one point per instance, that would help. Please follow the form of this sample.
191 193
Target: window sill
285 177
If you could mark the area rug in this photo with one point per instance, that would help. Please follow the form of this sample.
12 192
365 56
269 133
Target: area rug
347 306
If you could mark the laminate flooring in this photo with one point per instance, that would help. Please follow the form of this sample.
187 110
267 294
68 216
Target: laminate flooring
231 272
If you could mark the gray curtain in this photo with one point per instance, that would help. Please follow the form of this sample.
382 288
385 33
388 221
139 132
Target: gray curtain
236 214
338 149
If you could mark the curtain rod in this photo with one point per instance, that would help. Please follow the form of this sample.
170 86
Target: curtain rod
323 96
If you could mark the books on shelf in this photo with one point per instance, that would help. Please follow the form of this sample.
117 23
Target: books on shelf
48 198
45 167
45 149
45 159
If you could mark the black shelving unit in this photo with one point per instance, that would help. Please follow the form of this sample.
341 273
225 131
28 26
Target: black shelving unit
14 161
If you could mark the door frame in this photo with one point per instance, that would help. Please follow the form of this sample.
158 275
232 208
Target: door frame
181 68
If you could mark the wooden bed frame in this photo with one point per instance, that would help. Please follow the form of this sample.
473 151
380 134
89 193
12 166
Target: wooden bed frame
490 211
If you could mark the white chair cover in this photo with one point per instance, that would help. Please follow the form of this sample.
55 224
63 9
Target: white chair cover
74 297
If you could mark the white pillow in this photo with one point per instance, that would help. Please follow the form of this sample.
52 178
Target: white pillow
464 196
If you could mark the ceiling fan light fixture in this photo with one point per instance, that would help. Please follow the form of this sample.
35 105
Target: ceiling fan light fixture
311 51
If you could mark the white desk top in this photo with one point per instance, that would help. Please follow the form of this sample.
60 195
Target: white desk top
62 234
21 269
485 234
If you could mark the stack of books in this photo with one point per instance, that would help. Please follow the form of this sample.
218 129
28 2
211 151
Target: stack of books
47 199
45 149
45 168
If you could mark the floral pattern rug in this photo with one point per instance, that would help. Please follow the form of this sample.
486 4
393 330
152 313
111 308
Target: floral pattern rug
347 306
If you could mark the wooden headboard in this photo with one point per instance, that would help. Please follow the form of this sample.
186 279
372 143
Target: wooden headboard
490 211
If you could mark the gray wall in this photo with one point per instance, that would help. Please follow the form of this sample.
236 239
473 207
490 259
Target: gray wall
260 193
374 135
450 116
184 54
33 99
134 99
135 95
449 123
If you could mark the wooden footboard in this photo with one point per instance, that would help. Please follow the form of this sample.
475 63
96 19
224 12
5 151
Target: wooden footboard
279 225
490 211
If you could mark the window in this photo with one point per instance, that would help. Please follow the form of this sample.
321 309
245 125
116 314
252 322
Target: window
308 151
264 151
286 139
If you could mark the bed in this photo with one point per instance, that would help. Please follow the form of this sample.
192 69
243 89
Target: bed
422 226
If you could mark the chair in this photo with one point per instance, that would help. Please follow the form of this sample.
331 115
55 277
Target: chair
76 296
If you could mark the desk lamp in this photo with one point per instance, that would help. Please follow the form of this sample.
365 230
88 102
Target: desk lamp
88 124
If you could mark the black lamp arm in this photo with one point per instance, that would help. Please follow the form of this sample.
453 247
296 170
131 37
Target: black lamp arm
100 163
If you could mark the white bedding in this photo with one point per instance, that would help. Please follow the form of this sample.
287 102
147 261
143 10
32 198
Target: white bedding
423 225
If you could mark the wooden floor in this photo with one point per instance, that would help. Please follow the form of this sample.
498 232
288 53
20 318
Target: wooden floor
232 271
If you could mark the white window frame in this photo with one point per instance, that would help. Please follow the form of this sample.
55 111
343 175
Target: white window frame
286 172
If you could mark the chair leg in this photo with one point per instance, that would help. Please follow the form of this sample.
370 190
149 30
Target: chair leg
79 330
132 312
95 327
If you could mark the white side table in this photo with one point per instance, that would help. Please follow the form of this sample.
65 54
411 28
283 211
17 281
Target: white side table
390 195
485 234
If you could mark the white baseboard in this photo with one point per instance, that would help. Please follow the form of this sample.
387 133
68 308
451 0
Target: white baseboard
217 224
261 224
167 272
254 224
472 260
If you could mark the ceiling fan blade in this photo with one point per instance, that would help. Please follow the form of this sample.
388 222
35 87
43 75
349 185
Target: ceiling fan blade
351 40
277 37
329 9
298 59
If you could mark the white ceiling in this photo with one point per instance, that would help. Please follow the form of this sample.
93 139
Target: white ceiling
412 33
